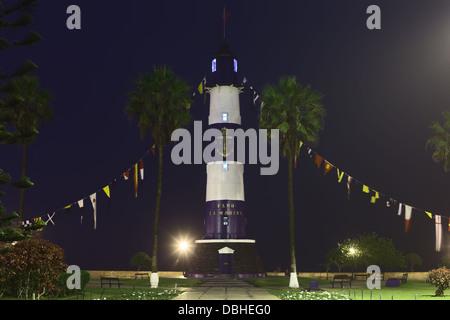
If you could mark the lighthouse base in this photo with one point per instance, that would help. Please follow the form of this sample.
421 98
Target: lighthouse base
226 257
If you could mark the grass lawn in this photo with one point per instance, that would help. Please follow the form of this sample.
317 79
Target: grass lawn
130 289
413 290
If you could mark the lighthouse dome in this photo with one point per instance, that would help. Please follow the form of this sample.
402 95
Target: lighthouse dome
223 67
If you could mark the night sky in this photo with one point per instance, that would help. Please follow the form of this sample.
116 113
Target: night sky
382 90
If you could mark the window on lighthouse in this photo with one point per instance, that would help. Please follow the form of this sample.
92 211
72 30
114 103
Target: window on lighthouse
213 65
224 117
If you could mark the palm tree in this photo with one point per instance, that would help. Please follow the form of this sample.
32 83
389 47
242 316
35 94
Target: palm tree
160 103
297 112
440 141
28 106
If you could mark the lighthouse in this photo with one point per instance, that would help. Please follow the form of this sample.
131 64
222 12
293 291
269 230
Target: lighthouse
225 217
225 248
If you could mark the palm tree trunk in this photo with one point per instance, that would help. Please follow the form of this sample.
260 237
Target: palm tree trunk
293 282
22 190
154 274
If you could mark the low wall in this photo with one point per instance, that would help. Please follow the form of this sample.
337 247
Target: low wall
323 275
315 275
130 274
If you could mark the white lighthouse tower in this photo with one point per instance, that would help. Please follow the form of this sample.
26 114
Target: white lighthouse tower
225 248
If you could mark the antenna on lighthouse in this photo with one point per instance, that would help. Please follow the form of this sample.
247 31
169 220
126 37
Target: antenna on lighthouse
224 21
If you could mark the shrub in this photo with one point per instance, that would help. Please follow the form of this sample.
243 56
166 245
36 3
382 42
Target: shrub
439 278
62 283
33 266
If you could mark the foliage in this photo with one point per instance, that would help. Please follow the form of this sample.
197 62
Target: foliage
439 278
445 261
160 102
367 250
413 259
27 106
440 141
63 290
141 260
297 112
32 266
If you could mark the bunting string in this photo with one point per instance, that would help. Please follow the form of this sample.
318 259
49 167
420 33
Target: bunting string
136 171
375 196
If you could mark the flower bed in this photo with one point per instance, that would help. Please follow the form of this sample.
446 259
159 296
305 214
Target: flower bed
309 295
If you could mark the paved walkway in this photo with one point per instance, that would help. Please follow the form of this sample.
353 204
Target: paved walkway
225 289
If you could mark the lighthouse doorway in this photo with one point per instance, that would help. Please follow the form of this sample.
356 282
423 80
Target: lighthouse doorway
226 260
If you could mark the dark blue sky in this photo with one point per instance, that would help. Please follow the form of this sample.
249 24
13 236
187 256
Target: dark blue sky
382 90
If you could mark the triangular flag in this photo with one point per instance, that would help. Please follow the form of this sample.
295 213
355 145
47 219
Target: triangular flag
400 209
81 205
318 160
153 149
340 174
408 212
107 191
38 221
365 189
67 208
375 197
94 206
438 226
200 87
141 168
135 179
349 181
429 214
328 166
126 174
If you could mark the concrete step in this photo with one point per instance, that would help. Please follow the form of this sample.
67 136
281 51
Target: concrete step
224 282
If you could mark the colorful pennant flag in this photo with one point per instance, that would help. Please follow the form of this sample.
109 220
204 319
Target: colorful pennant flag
126 174
135 179
340 174
141 168
107 191
94 206
318 160
408 212
328 166
375 197
438 226
349 181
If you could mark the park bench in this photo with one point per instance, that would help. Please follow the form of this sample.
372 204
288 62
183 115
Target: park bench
404 278
142 275
109 280
360 275
342 278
